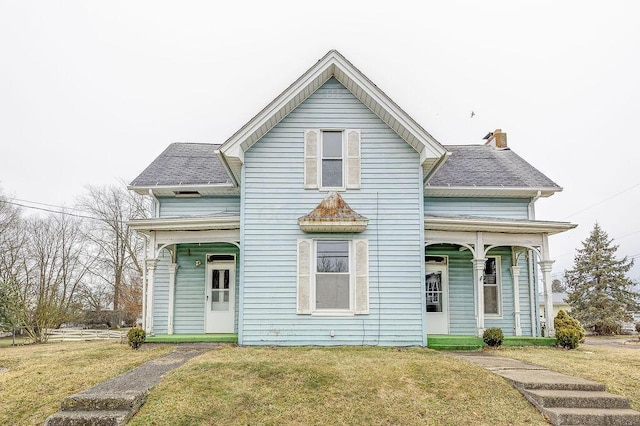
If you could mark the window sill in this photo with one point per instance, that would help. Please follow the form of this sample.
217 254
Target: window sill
333 313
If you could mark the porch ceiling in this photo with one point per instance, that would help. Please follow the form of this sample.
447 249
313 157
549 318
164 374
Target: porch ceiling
484 224
198 223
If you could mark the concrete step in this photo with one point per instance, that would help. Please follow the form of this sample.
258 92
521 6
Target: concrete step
548 380
593 416
88 418
120 401
576 399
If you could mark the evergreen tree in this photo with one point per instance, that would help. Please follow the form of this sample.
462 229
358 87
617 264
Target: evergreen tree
600 293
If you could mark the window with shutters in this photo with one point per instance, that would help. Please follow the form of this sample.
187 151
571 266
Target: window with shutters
492 287
333 277
332 159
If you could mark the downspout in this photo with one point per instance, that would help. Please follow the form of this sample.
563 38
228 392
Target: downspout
533 276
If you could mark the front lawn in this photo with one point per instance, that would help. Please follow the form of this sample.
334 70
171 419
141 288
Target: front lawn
345 385
617 366
34 379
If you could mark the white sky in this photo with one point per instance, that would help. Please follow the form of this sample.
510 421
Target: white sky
92 92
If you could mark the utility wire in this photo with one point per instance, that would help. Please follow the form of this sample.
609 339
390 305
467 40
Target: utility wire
48 205
601 201
50 210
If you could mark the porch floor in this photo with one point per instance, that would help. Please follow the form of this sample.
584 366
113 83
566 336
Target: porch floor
473 343
193 338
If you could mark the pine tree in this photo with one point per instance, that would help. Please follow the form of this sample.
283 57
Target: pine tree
600 293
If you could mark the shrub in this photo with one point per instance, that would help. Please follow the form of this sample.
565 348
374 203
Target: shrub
568 338
569 331
136 337
493 337
638 327
606 327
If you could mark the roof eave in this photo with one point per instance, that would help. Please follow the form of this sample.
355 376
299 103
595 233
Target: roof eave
488 225
144 189
488 191
184 224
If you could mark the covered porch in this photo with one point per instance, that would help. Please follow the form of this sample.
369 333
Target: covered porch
501 285
191 284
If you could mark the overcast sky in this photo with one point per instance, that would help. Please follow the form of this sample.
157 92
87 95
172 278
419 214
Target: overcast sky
92 92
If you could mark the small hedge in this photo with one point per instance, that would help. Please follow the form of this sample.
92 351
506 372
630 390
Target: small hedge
493 337
136 337
569 331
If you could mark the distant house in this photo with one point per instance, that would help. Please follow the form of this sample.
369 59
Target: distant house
559 303
333 218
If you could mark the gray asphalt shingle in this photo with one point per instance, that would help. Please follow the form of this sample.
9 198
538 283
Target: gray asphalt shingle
486 166
184 164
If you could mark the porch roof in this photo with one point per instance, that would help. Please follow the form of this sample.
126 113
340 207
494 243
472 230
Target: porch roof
491 224
193 223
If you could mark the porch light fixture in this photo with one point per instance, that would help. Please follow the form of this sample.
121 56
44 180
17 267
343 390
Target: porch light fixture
198 263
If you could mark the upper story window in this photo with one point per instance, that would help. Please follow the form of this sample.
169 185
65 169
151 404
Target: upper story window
332 163
332 159
492 287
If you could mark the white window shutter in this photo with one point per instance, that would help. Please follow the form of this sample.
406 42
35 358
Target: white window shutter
304 277
353 158
311 145
362 277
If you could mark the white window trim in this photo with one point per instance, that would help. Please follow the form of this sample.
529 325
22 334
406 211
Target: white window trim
352 274
344 161
498 286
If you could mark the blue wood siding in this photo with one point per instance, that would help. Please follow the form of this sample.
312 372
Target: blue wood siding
189 303
390 196
182 207
461 292
507 208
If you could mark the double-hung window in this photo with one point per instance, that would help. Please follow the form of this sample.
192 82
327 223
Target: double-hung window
332 159
332 275
492 290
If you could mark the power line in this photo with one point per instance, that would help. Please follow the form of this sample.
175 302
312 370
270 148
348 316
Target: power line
601 201
50 211
48 205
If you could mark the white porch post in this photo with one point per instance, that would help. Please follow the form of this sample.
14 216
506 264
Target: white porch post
478 275
151 275
515 273
172 291
546 266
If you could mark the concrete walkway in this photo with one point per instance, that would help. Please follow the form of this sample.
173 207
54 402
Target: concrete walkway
563 399
115 401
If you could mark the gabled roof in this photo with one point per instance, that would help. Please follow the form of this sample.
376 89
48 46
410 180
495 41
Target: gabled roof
333 64
183 167
498 171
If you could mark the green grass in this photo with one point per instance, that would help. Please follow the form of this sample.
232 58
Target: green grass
192 338
340 385
38 377
470 343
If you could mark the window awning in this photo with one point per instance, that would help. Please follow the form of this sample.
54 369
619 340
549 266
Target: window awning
333 214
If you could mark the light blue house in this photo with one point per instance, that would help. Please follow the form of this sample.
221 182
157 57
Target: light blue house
334 218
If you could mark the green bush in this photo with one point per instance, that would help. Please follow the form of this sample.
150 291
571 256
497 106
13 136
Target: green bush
569 331
493 337
136 337
568 338
638 327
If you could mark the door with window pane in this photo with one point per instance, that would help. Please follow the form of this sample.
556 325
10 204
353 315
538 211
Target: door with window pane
220 297
437 297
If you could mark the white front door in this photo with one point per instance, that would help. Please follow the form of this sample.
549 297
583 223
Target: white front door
437 294
220 297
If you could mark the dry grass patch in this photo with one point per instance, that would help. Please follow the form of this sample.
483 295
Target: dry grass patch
346 385
39 377
617 367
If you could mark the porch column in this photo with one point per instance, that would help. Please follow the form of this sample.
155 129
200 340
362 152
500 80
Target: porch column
515 274
172 290
151 275
478 274
546 266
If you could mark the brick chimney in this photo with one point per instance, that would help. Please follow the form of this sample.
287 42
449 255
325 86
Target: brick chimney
497 139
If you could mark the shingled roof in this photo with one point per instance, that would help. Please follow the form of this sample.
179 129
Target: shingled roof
486 166
469 166
184 164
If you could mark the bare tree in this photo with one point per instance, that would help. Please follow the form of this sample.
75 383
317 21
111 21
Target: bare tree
11 243
118 249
